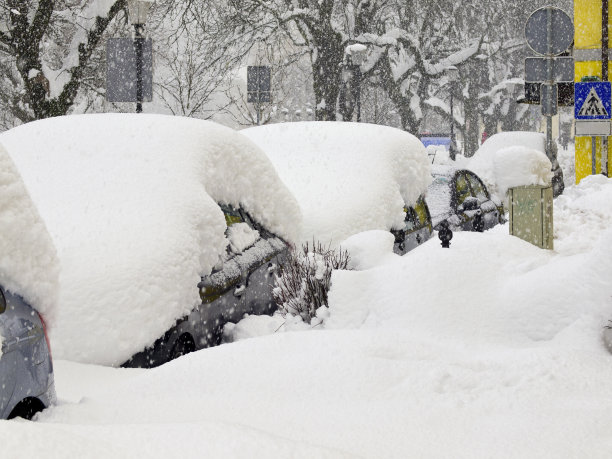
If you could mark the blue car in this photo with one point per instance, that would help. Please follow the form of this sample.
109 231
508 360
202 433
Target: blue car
26 371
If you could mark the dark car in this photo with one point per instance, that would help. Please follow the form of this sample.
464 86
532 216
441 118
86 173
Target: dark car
417 228
26 371
459 198
240 284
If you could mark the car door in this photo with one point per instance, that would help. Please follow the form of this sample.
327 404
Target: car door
489 211
417 228
464 203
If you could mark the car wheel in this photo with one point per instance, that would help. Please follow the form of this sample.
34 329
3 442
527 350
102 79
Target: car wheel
26 409
182 346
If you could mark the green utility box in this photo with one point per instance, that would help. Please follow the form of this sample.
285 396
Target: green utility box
531 214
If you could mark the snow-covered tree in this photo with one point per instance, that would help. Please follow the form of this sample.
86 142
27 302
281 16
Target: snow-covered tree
46 50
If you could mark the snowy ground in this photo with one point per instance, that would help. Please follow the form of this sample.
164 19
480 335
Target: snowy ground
491 348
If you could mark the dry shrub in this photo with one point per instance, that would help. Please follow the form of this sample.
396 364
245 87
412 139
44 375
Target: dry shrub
304 280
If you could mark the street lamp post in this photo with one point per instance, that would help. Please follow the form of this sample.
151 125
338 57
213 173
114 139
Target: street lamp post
453 75
357 54
138 10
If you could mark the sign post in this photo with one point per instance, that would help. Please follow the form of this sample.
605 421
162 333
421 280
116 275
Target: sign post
258 86
549 32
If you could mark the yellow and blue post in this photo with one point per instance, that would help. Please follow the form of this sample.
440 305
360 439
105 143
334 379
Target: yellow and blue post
591 44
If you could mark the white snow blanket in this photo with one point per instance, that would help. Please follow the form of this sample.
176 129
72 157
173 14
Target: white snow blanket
489 349
131 204
509 159
347 177
29 265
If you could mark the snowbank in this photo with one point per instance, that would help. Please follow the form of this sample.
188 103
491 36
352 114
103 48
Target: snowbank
347 177
131 204
509 159
29 265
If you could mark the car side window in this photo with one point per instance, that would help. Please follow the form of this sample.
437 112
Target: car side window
478 188
462 188
422 212
240 231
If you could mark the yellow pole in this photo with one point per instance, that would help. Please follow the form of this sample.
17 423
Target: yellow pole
587 56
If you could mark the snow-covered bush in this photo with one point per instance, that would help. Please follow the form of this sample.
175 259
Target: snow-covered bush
304 281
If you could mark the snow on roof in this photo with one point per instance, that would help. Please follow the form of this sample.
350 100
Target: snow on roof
347 177
131 204
509 159
28 262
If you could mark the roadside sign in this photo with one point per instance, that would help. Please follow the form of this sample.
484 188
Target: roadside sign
549 31
536 69
258 84
590 128
121 70
593 100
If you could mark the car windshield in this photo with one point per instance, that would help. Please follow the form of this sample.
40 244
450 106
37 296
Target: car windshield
439 196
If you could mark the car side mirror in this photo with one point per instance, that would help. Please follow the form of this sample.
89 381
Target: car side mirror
470 203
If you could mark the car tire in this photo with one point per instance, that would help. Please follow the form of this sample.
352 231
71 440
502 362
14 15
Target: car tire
182 346
26 409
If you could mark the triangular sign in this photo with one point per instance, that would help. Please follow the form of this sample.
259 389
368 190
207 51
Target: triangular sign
592 105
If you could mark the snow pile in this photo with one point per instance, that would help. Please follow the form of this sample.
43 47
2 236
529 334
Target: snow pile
347 177
369 249
131 204
509 159
28 261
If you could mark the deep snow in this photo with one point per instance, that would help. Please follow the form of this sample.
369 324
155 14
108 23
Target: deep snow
130 202
491 348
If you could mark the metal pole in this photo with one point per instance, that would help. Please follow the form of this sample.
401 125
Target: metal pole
593 155
138 42
358 74
549 68
604 76
452 147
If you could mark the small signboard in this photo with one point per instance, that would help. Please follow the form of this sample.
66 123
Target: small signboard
259 84
590 128
536 69
121 70
593 100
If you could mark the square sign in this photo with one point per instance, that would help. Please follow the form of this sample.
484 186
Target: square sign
258 83
593 100
121 70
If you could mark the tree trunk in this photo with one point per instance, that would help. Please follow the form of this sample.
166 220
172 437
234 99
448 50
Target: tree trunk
326 73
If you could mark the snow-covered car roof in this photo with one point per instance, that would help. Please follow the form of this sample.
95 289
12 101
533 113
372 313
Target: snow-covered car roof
29 266
347 177
509 159
131 205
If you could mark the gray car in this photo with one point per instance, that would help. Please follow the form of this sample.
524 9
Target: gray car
459 198
240 284
26 371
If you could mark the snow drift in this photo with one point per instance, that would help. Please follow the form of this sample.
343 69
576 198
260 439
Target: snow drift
347 177
131 204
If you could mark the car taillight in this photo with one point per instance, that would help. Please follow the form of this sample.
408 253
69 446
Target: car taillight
46 335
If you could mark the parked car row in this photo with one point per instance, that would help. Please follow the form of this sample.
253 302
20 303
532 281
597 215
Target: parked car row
249 248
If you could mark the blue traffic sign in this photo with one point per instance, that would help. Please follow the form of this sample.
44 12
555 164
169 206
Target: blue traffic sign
593 100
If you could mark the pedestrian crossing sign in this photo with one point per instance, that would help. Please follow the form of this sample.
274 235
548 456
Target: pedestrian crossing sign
593 100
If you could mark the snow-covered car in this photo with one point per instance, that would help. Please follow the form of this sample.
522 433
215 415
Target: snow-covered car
166 228
351 177
492 163
460 198
29 273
